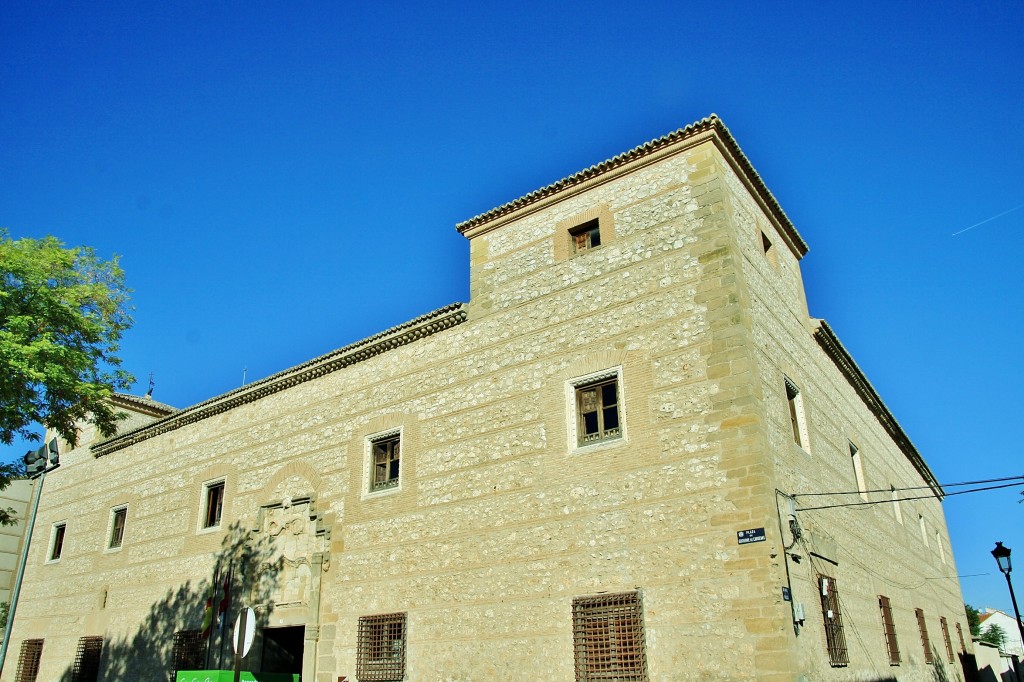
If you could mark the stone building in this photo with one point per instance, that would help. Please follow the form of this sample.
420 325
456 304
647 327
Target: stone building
606 466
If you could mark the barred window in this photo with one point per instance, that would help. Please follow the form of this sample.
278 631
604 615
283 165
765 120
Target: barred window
945 639
925 643
960 636
87 659
608 638
892 645
188 652
597 411
381 648
835 638
28 660
387 454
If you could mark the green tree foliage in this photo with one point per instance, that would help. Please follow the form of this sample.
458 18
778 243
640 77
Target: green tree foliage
973 620
62 313
994 634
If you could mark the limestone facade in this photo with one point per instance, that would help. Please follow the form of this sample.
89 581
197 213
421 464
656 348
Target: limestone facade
528 496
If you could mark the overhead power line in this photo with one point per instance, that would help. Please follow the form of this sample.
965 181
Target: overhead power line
903 499
920 487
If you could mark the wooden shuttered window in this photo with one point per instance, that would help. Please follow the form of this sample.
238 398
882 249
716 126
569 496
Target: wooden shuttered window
960 636
926 644
608 638
835 638
892 644
387 453
597 410
945 638
28 660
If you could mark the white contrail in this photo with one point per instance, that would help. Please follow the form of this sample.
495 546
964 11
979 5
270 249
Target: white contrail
986 220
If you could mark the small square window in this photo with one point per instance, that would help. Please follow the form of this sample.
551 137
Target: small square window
586 236
386 462
769 250
380 654
896 504
118 516
598 416
858 471
213 504
797 417
57 541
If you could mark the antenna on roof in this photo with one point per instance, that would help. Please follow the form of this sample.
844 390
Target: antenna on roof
149 393
244 371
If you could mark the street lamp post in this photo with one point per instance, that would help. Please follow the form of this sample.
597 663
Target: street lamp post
1002 556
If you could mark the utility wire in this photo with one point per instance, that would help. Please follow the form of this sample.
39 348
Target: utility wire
920 487
903 499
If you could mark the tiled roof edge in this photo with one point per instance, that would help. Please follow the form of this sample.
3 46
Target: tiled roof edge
146 405
403 334
711 123
834 349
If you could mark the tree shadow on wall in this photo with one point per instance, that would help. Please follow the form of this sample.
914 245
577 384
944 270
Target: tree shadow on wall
147 654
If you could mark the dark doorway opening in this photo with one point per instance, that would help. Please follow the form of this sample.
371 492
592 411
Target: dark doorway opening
282 649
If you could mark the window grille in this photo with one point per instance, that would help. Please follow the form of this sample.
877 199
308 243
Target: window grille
387 456
925 643
945 638
608 638
835 638
960 636
381 648
597 409
28 660
117 527
889 628
188 652
87 659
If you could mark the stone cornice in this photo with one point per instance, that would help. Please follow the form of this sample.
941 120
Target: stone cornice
829 342
710 128
403 334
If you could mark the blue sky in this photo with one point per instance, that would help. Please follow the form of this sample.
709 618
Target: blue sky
281 179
